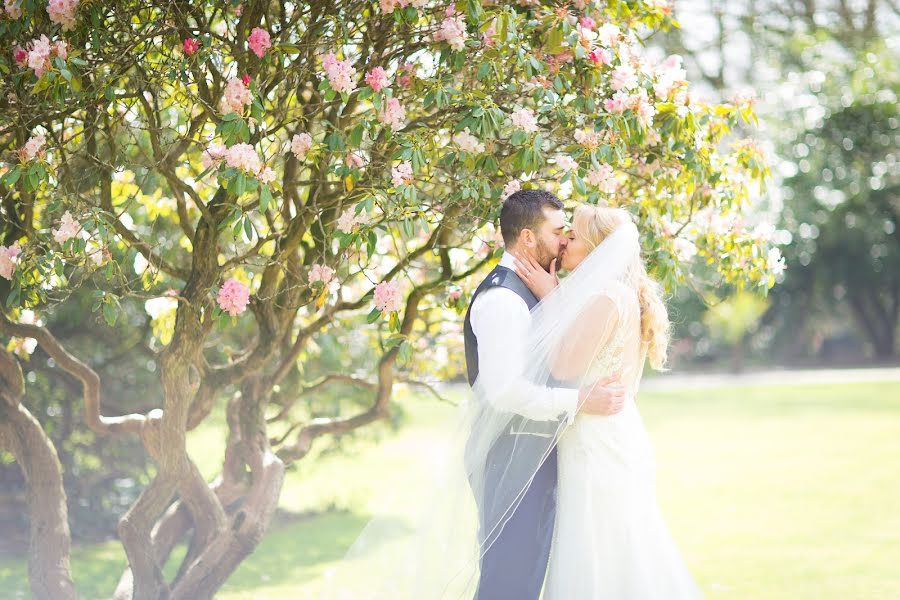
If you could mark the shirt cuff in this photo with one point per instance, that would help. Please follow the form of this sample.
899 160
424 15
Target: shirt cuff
565 401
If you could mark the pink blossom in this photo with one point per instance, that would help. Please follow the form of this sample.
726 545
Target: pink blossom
8 260
354 159
39 55
233 297
190 46
213 155
21 56
246 80
266 175
455 294
588 23
33 147
340 73
388 297
62 12
408 73
236 97
525 120
238 10
600 56
642 107
300 145
259 41
62 49
388 6
566 162
623 77
511 188
393 114
468 142
608 34
602 178
487 38
243 156
669 76
453 30
616 104
588 138
321 273
402 174
377 79
348 220
68 228
13 8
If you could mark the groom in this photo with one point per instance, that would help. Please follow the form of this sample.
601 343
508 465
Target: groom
496 328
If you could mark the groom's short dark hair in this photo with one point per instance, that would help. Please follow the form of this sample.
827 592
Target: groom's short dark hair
525 210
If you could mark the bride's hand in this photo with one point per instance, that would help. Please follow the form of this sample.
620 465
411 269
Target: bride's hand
539 281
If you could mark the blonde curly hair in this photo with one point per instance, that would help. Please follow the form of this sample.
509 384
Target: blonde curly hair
594 223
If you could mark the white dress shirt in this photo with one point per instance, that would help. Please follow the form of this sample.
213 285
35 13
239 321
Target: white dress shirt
500 320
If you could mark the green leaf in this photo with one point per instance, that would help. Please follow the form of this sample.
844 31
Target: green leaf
405 353
110 314
265 197
373 316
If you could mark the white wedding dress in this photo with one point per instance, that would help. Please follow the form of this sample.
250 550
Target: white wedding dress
610 540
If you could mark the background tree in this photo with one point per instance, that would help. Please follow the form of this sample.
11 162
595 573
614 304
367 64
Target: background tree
278 200
827 75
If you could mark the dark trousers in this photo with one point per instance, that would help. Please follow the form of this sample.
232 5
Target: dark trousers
514 565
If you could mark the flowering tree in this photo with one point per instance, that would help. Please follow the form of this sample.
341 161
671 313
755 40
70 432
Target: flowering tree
271 180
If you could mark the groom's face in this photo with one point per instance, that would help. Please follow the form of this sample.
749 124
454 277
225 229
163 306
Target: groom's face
550 237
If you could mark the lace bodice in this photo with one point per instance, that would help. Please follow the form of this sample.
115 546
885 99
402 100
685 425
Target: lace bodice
623 350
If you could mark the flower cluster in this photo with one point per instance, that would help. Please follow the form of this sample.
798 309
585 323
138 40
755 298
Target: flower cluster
388 297
393 114
236 96
452 29
511 188
259 41
62 12
32 148
468 142
233 297
40 53
300 145
588 138
340 73
68 228
377 79
525 120
239 156
13 8
190 46
602 178
349 220
566 162
402 174
8 259
321 273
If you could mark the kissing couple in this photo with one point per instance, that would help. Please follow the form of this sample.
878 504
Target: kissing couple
547 489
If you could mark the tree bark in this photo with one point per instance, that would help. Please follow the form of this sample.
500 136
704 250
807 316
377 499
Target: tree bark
20 433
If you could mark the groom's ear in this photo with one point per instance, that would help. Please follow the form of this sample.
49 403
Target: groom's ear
527 238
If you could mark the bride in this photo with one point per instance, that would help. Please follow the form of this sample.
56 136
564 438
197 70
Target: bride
610 540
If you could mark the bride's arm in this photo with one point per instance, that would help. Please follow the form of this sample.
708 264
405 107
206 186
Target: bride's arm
587 334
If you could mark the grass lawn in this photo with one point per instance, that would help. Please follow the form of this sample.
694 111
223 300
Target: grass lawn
772 493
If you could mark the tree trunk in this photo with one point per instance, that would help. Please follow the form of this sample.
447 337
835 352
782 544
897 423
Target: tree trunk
48 552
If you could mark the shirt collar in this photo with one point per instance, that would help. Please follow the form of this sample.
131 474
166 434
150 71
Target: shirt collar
508 260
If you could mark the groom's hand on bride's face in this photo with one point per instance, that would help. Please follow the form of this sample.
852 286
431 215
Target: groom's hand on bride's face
539 281
606 397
